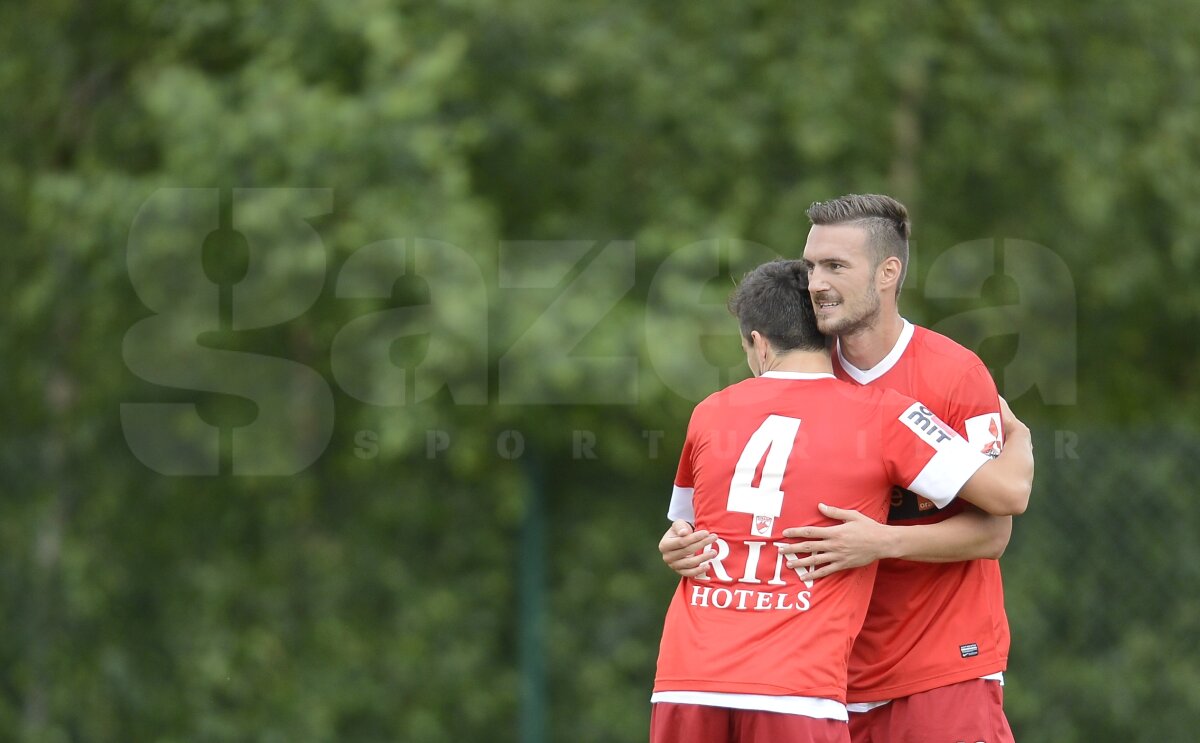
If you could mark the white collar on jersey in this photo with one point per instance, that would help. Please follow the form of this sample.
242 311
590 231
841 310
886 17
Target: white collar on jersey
796 375
866 376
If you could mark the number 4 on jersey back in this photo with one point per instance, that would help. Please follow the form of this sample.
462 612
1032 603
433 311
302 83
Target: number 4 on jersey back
773 441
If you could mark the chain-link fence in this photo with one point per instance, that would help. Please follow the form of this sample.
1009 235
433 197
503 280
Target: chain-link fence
1101 581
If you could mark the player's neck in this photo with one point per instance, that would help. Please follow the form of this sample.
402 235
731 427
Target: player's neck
867 347
807 362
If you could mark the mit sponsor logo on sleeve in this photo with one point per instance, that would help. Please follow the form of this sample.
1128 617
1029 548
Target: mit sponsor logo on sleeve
922 421
748 599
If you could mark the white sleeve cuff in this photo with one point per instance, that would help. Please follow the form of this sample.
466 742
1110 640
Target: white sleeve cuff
681 505
949 469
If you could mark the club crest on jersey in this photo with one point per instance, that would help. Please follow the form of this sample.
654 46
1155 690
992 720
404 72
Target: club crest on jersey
983 431
928 426
761 525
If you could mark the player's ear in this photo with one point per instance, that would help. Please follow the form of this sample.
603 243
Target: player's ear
759 341
888 274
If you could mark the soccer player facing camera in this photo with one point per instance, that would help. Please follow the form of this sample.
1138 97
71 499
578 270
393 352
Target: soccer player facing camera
928 662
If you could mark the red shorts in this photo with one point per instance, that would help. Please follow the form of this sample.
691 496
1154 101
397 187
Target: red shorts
696 723
966 712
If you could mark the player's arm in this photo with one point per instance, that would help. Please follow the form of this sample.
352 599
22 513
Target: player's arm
970 535
860 540
1002 486
684 549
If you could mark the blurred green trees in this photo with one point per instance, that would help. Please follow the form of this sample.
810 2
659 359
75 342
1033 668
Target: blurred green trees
528 215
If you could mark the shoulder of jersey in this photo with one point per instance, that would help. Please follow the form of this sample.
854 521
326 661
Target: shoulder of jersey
736 392
871 396
892 397
930 343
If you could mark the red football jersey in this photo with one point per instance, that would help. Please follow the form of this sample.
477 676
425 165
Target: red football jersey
759 456
931 624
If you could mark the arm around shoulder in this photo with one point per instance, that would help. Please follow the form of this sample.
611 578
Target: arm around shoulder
1002 487
970 535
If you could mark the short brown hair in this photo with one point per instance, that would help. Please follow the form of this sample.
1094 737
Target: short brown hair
773 299
885 220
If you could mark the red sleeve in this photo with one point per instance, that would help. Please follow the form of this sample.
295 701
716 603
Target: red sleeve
973 409
924 454
681 495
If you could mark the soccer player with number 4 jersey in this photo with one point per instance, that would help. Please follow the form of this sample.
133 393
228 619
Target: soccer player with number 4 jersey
928 663
754 650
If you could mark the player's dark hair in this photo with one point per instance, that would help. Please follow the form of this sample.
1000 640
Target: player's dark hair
885 220
773 299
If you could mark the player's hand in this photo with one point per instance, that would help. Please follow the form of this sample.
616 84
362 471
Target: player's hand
679 548
859 540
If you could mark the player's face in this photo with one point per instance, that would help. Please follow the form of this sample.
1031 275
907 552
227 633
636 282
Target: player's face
841 279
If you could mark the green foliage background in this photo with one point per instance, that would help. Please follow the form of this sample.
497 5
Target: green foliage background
381 593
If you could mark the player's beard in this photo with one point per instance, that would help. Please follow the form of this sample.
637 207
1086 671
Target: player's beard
855 317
